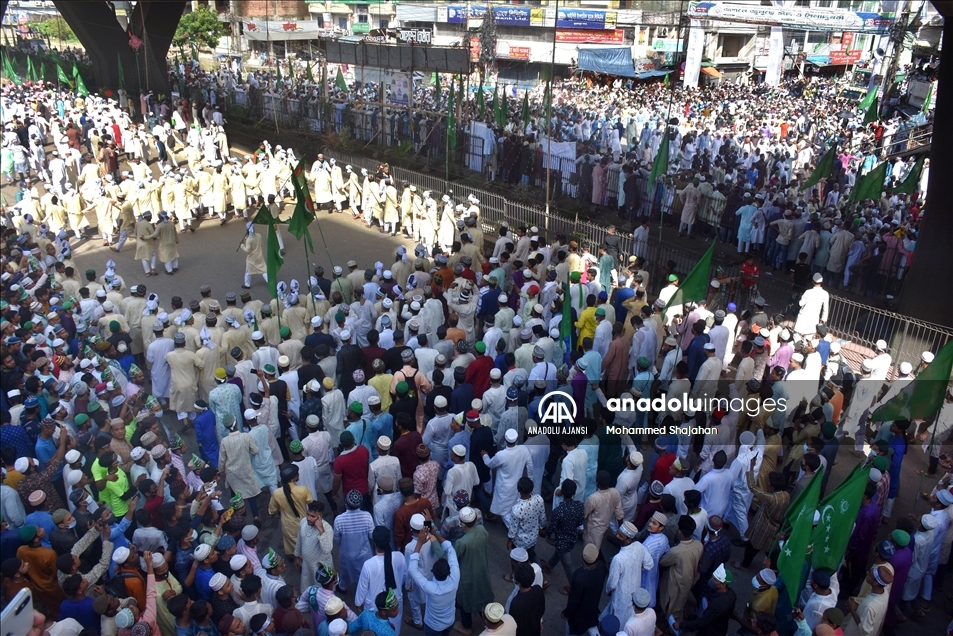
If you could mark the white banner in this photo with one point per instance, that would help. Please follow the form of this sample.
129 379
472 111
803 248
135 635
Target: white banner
810 18
772 75
693 57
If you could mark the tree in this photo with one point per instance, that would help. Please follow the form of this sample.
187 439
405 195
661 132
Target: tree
201 27
487 37
56 28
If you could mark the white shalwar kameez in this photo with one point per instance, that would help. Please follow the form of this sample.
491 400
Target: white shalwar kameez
625 577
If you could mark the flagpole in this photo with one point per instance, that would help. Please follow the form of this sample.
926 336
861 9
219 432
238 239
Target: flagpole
549 119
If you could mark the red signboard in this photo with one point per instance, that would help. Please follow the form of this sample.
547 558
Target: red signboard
845 57
512 52
847 40
605 36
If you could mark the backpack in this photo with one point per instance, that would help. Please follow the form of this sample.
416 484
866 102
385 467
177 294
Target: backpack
116 586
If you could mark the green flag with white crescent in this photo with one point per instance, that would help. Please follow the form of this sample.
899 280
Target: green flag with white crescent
798 521
81 86
869 99
838 511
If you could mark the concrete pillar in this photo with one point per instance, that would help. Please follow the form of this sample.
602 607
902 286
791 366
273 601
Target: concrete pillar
926 292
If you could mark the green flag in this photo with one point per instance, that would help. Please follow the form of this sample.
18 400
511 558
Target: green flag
823 168
695 286
43 70
61 75
263 216
838 513
81 86
548 100
668 82
10 72
75 70
340 82
871 184
525 112
310 75
122 75
868 99
30 71
451 120
504 109
436 90
497 113
871 114
928 100
660 165
274 260
912 180
304 208
923 397
798 520
481 103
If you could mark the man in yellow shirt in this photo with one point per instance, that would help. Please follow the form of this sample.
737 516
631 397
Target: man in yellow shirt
587 321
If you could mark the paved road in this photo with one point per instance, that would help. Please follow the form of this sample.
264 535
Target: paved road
208 256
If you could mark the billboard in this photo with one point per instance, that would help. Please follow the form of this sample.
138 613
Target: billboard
806 18
415 36
585 19
845 57
504 16
614 36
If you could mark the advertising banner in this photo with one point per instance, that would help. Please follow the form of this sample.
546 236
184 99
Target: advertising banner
772 74
809 18
615 36
585 19
845 57
693 60
504 16
399 85
415 36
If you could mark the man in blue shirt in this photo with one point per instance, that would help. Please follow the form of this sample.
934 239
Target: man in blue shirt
442 590
41 516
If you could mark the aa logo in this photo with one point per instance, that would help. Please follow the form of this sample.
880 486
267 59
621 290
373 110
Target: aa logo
557 408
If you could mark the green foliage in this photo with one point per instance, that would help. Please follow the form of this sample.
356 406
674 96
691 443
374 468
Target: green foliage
488 39
201 27
55 28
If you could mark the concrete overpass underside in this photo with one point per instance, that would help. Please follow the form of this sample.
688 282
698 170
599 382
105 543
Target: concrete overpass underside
107 42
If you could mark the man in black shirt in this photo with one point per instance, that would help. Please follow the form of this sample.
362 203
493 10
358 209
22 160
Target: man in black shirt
529 604
721 606
318 337
585 591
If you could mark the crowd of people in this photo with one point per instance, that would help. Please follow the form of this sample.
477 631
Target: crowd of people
383 420
738 155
